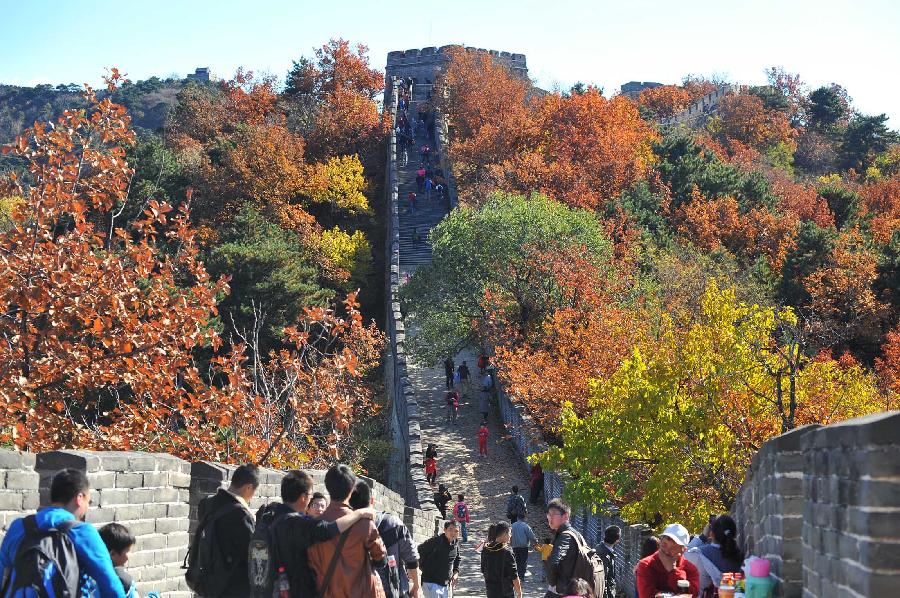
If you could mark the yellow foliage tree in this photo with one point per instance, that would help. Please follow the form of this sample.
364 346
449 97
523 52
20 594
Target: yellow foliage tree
350 255
339 182
671 433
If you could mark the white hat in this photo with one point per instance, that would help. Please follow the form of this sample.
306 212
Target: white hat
677 533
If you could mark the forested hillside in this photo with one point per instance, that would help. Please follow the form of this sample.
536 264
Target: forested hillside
665 299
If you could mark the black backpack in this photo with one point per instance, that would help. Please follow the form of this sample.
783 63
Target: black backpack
263 559
588 565
390 576
208 570
44 554
515 505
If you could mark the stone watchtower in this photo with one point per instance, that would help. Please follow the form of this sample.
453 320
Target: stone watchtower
423 65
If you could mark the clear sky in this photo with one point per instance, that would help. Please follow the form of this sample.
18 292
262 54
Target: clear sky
854 43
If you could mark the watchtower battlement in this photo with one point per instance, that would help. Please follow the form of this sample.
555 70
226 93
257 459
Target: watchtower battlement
424 64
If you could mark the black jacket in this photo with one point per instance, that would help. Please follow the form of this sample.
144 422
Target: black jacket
438 559
609 564
233 531
560 565
294 534
498 565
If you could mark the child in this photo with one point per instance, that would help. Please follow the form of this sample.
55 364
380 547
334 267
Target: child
431 470
461 515
119 541
482 439
452 400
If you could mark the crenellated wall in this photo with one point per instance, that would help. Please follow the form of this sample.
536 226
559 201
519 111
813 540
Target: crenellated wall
156 496
424 64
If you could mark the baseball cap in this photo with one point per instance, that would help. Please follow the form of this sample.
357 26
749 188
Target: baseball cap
677 533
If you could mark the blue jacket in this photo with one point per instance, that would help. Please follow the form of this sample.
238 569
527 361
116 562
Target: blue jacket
93 556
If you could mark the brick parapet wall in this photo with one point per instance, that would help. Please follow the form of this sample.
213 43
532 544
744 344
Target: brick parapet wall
156 497
424 64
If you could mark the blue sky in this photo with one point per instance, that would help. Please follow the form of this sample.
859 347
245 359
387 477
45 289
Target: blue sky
856 44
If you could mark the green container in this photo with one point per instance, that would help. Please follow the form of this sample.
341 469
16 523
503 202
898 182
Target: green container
759 587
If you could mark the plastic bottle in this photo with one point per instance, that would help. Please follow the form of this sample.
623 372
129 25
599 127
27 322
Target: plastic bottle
739 586
283 584
726 587
392 562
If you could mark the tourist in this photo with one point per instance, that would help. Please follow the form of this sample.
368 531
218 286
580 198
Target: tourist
536 483
431 470
397 541
291 531
498 565
229 511
462 516
482 439
452 401
606 551
560 565
721 555
317 505
441 499
449 368
521 540
70 499
661 571
119 541
515 505
484 405
464 374
439 562
649 546
353 552
578 588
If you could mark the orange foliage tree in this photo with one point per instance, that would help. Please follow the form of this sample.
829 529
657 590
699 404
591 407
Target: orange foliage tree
581 149
665 101
745 119
101 320
585 337
342 89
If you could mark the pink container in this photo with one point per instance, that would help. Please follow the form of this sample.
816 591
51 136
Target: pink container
760 568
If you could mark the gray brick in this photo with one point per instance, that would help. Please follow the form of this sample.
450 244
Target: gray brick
164 556
129 480
142 527
158 478
101 516
151 542
102 479
128 512
112 496
178 510
54 461
141 496
165 495
179 480
31 501
155 510
11 501
165 526
176 539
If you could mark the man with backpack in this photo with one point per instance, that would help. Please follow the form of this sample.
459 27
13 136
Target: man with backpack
449 368
515 506
284 533
571 557
57 532
402 579
343 566
217 558
439 557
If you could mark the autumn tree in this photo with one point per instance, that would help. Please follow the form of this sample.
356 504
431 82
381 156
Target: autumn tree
694 403
488 251
665 101
335 93
105 320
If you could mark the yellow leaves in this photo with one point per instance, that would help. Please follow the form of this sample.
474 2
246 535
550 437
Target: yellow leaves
350 254
339 182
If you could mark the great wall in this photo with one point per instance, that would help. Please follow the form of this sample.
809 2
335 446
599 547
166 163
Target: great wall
822 503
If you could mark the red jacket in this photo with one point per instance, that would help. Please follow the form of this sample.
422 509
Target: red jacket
652 576
430 466
482 434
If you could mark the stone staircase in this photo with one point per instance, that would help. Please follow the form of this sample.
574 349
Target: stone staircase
428 213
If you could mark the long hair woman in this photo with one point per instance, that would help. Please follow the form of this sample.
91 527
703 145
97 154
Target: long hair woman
722 555
498 565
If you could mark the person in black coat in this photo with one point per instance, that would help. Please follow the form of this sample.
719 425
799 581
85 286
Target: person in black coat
498 565
441 498
235 528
